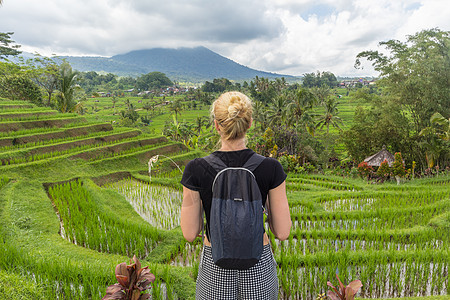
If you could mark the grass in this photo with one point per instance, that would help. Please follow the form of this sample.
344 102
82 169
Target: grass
35 257
14 286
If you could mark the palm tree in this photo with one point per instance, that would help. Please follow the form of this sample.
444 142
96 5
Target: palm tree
322 93
278 110
330 116
176 107
302 101
114 100
149 106
260 114
201 121
66 87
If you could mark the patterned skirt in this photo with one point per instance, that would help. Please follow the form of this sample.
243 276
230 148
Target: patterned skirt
258 282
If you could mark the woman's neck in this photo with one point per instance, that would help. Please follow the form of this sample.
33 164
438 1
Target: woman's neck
233 145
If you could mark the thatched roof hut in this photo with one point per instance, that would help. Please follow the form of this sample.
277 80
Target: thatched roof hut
376 159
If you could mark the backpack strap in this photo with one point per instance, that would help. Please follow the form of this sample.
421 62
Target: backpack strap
253 162
215 162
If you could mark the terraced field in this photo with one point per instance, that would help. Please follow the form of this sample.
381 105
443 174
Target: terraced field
40 149
76 199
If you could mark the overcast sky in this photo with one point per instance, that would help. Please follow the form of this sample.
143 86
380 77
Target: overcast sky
284 36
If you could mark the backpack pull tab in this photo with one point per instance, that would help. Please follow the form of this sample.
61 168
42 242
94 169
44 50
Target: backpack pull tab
237 199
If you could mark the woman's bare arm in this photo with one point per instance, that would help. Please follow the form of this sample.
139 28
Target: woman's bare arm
279 215
191 214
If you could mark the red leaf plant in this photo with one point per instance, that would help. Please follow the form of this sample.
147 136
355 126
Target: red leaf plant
133 281
345 292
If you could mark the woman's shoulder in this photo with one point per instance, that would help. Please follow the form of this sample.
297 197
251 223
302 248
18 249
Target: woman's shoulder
270 161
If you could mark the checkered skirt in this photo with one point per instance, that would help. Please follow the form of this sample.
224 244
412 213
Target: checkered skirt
258 282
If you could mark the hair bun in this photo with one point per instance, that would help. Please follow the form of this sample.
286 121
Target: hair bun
236 107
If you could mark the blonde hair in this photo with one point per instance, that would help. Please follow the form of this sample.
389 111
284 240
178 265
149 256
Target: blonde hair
233 111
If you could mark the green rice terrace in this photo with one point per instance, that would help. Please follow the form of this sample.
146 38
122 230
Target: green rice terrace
76 199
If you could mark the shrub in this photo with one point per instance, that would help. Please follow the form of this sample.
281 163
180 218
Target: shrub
20 87
364 170
384 170
398 168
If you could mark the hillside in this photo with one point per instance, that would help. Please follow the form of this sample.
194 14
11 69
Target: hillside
182 64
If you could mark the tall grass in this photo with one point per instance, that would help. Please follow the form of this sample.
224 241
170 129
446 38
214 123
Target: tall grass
84 223
158 205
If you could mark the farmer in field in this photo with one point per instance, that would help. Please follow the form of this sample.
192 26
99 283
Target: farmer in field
234 186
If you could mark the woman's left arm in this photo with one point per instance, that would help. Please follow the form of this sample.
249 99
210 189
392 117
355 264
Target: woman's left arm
191 214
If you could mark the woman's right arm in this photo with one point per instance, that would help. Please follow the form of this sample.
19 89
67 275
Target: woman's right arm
279 216
191 214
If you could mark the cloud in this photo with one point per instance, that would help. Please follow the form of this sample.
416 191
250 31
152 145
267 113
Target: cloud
108 27
331 42
287 36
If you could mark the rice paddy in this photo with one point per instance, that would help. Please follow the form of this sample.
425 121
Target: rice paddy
66 223
160 206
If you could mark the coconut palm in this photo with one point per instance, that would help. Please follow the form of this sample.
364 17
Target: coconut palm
322 93
302 101
66 87
278 110
330 116
260 114
176 107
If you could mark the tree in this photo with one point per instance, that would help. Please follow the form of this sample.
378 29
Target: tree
6 46
278 110
149 106
330 116
153 80
415 73
322 93
440 127
199 122
66 88
114 101
303 101
45 72
319 79
383 124
176 107
20 87
436 140
262 89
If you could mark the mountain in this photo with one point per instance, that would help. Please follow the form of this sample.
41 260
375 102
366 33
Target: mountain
182 64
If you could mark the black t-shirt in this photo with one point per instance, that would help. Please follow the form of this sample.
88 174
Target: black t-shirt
199 175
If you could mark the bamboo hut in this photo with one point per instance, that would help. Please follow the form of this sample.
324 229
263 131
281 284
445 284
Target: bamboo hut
376 159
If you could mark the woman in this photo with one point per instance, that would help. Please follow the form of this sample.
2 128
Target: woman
232 114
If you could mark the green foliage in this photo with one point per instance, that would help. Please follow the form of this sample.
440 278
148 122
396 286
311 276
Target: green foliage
67 79
364 170
20 87
319 79
13 286
398 167
87 224
415 73
384 170
153 81
6 47
383 124
45 72
218 85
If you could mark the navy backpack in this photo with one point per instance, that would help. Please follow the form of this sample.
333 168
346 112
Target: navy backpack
236 226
